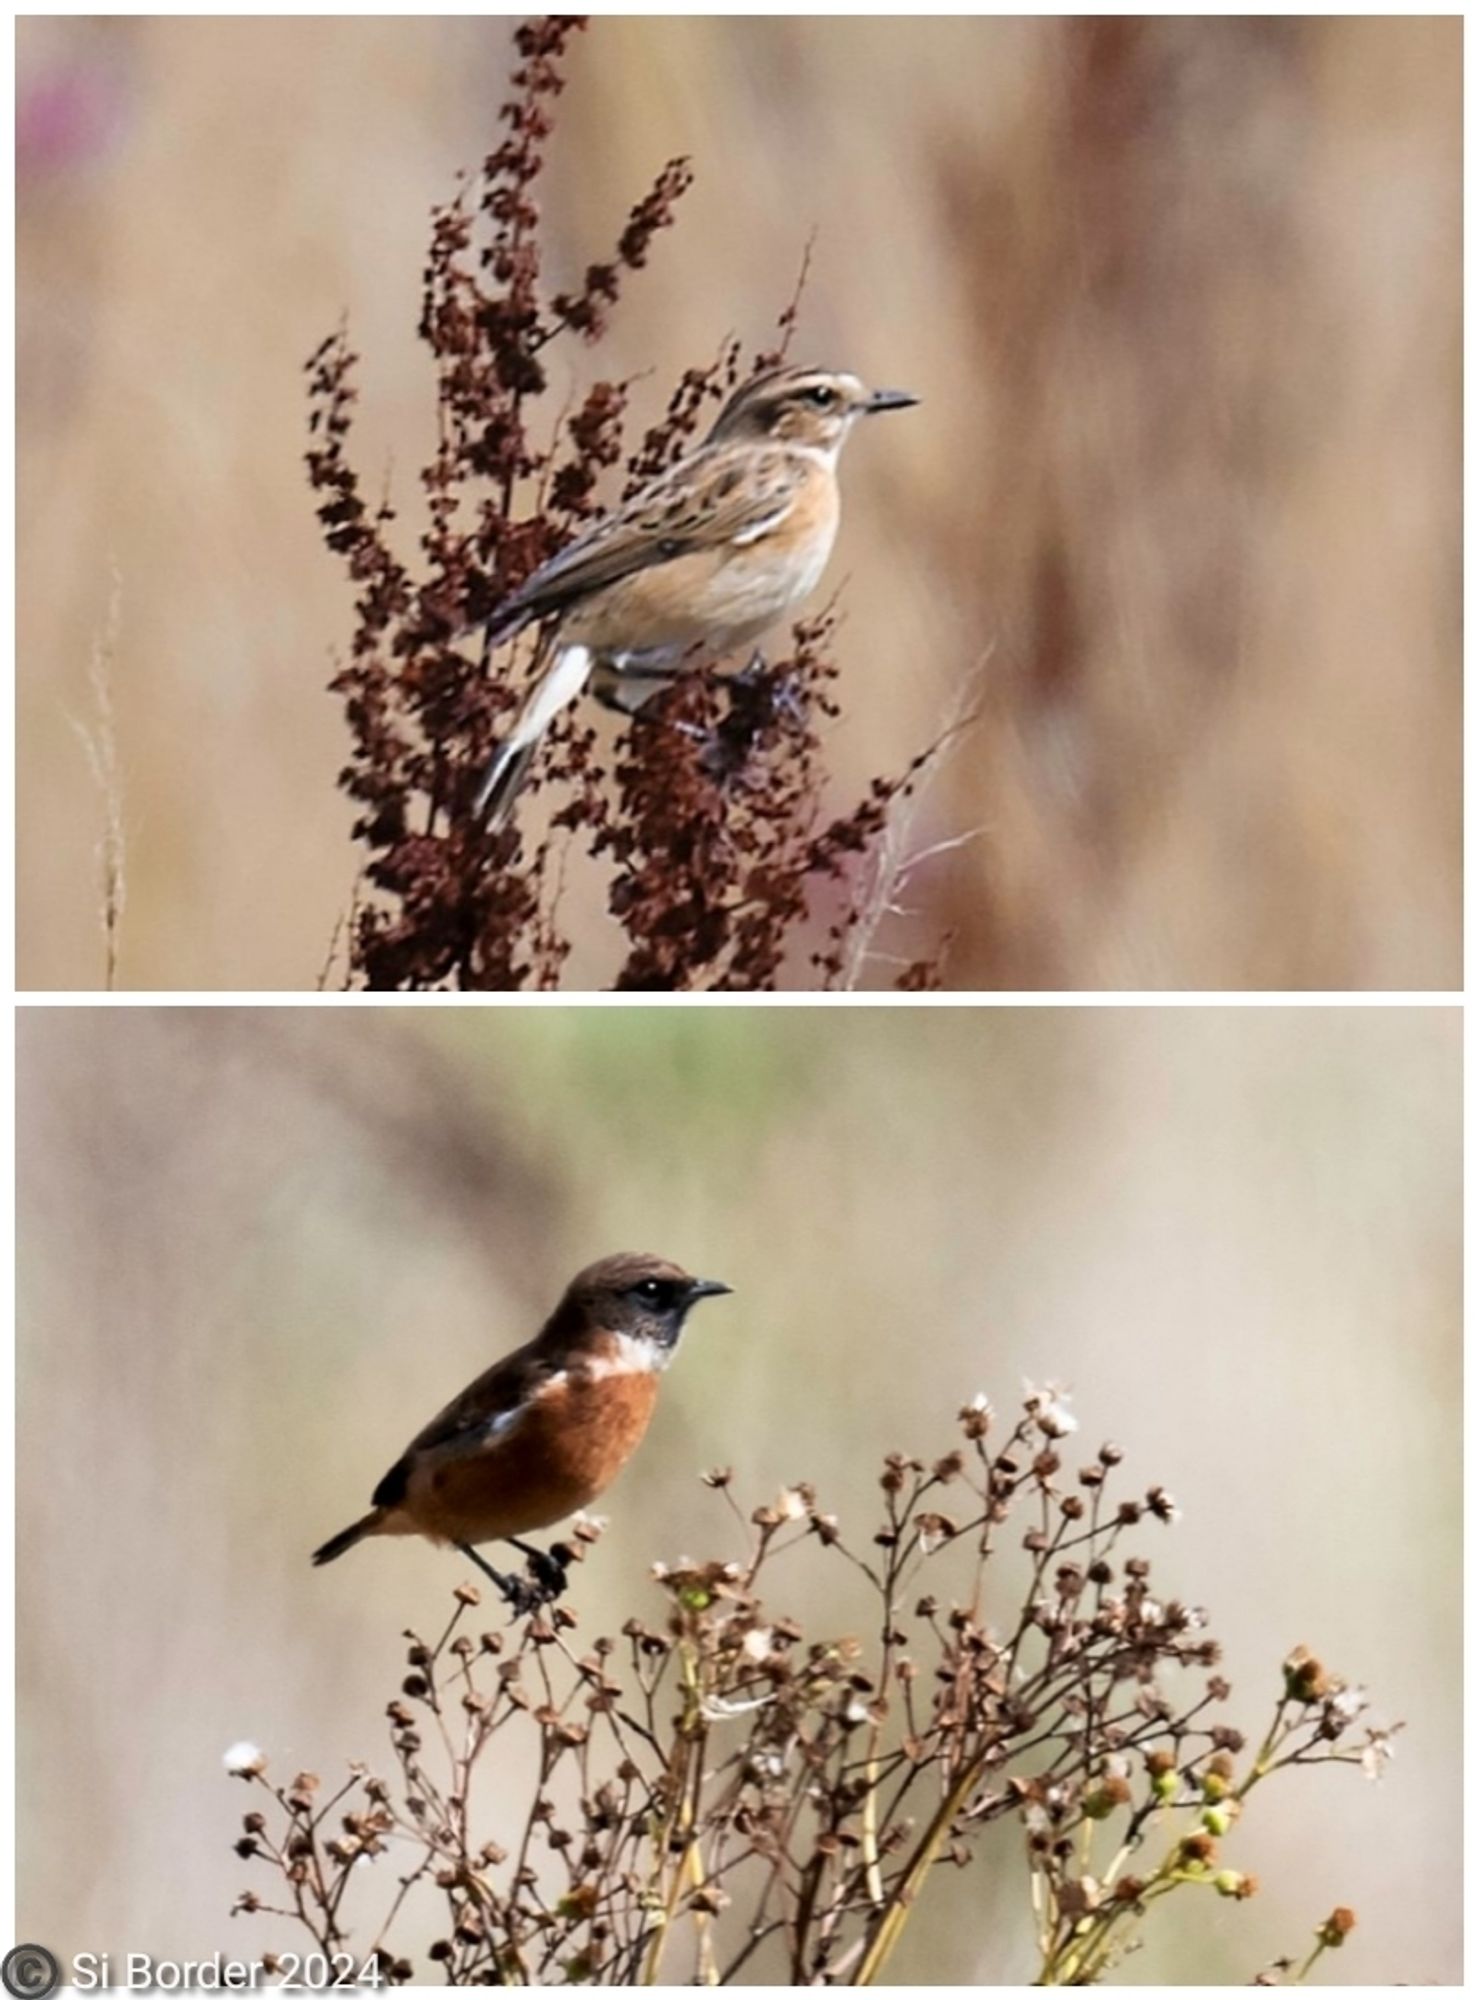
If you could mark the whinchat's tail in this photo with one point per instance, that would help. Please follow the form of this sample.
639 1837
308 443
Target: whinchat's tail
501 785
336 1545
554 690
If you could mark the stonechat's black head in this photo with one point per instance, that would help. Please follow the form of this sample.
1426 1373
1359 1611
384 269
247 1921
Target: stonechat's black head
637 1298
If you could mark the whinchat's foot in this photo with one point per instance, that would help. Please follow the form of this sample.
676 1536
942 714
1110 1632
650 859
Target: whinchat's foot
759 698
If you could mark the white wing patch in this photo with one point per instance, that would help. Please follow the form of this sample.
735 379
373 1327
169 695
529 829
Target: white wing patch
757 530
629 1357
508 1420
500 1426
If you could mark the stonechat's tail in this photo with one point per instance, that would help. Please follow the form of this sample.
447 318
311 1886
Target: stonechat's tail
566 677
336 1545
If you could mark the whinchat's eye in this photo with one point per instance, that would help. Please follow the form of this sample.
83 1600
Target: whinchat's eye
822 396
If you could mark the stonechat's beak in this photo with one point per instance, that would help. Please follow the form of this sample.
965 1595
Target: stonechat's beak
708 1288
888 399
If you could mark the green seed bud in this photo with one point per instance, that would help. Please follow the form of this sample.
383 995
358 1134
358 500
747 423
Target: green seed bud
1101 1802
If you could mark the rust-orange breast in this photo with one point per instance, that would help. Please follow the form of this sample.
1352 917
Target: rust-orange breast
538 1465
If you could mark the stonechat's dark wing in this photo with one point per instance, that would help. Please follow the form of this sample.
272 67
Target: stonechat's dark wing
485 1407
715 499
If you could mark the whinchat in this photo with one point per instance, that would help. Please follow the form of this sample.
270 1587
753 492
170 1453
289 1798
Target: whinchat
543 1431
692 567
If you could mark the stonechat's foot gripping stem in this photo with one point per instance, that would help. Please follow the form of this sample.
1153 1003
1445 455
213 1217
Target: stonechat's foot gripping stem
545 1581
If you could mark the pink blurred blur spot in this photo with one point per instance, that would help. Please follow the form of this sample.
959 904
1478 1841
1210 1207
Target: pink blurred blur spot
65 118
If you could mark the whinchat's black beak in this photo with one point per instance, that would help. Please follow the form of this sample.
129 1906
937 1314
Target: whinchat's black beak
888 399
708 1288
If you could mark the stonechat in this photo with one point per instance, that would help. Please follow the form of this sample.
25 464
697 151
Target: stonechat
544 1430
695 565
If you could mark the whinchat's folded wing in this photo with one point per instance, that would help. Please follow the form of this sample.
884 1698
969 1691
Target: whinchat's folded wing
717 498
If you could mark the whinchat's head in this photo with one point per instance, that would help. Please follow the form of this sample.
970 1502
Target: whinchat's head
640 1299
803 406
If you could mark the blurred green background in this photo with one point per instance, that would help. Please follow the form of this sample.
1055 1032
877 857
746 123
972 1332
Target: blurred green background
1181 298
259 1247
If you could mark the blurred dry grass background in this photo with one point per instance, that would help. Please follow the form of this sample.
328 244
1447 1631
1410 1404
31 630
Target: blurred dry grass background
258 1247
1183 300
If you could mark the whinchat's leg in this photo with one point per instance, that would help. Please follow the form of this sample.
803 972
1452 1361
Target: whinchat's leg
627 690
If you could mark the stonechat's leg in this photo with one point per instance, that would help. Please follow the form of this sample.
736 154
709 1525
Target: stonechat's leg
548 1567
515 1590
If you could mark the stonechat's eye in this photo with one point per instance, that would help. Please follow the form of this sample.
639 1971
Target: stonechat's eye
652 1291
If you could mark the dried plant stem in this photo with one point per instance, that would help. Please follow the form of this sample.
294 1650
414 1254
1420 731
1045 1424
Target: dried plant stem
901 1903
99 739
893 862
686 1787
